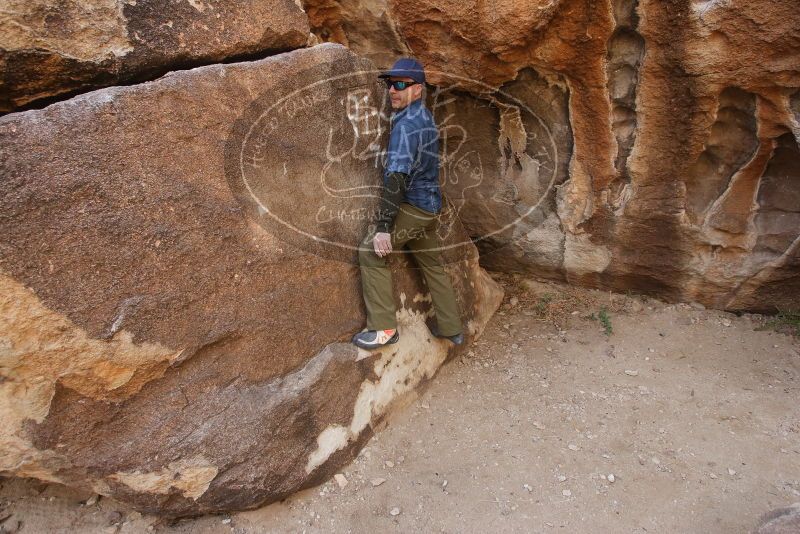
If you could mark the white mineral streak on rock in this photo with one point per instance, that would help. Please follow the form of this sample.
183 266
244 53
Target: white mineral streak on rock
332 439
423 298
581 256
191 476
574 198
400 368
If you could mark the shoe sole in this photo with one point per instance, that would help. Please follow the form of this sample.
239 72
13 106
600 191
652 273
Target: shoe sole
392 340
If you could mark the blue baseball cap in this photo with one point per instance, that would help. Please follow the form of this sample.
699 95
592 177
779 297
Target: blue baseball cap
406 67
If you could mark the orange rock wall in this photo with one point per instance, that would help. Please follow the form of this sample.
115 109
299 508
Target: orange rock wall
684 118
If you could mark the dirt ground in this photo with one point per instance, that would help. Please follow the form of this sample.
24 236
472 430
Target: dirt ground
679 419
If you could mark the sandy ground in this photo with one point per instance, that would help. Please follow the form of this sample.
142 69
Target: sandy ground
680 420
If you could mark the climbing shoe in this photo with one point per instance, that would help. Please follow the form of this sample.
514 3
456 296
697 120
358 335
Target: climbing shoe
373 339
457 339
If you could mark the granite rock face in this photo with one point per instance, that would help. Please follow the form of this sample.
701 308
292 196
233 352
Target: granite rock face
675 125
174 335
51 49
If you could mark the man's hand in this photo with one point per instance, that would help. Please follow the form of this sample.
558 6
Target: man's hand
382 242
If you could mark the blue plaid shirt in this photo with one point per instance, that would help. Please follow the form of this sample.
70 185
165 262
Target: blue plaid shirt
414 150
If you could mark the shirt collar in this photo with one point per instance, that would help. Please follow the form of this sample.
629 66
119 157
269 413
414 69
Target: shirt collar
413 108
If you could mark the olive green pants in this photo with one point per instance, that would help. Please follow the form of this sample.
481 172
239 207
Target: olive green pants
416 229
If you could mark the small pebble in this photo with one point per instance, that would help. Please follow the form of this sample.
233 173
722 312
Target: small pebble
572 447
631 372
389 463
377 482
395 511
341 480
611 478
562 478
566 493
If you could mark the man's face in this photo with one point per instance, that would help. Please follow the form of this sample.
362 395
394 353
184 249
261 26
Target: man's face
401 99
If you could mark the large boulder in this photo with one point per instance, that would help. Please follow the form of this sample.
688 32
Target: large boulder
52 49
178 284
674 125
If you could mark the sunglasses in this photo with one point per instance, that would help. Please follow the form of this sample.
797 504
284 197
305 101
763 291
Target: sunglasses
398 86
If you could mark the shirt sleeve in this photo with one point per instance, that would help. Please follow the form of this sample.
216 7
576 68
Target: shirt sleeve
403 146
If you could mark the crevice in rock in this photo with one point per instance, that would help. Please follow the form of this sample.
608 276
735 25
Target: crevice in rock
625 53
732 142
504 155
794 109
729 220
96 81
775 255
53 51
325 18
778 217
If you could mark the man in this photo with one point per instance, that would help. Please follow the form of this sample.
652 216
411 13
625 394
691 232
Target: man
409 206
